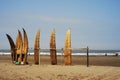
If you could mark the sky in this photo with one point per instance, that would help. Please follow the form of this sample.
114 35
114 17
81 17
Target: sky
93 23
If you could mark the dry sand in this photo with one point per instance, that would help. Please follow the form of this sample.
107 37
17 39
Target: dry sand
101 68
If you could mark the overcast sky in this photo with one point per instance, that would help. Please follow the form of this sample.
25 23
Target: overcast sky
93 23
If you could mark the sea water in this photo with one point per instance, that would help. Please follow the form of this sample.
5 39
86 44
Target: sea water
74 52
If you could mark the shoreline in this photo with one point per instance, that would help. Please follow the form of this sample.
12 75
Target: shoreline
73 54
76 60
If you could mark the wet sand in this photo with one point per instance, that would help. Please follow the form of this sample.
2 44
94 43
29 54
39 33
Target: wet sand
101 68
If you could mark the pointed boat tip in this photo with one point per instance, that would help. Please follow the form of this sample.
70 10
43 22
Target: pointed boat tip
38 30
53 31
23 29
7 35
69 28
53 28
18 30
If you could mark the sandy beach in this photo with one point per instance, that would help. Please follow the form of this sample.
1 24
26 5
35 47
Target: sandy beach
101 68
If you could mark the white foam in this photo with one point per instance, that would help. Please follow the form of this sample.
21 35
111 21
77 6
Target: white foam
5 53
47 53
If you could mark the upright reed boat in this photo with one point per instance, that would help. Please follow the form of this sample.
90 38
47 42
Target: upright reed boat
12 46
67 49
37 47
19 48
53 48
25 46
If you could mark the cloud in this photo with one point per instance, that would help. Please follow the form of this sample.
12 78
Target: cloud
60 19
56 19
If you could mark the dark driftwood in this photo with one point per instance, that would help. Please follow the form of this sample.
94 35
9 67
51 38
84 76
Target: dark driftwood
53 48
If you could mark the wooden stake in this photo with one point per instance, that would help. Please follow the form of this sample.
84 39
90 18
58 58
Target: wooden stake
87 57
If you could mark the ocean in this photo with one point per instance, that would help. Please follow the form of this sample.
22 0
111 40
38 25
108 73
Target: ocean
74 52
